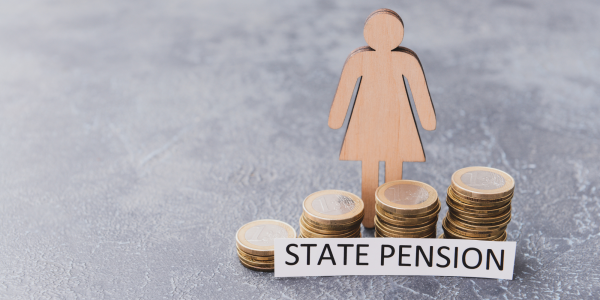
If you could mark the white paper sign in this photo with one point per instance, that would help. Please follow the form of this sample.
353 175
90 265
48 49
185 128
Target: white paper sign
394 256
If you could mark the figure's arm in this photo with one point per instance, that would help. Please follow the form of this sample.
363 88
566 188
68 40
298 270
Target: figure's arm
418 86
341 100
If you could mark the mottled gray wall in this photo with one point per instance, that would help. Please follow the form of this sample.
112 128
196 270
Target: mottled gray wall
136 137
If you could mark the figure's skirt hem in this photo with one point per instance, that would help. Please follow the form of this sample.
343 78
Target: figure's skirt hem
383 159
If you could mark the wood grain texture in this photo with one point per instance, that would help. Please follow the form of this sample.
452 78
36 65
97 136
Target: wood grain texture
382 126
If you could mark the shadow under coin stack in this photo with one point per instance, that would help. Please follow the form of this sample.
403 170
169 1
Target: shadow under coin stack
406 209
255 245
479 204
331 214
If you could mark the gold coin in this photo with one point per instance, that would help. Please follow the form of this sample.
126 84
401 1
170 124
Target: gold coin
479 202
441 236
385 235
486 221
406 220
313 235
451 229
309 234
311 228
434 209
462 200
482 183
449 234
378 234
502 237
333 207
327 233
413 227
358 235
470 203
406 197
388 232
261 269
407 224
328 227
257 263
467 229
458 228
479 228
477 213
385 232
254 257
257 237
401 229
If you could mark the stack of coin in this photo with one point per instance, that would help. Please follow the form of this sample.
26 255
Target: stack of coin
407 209
331 214
255 245
479 204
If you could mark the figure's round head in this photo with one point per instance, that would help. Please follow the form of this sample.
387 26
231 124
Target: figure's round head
384 30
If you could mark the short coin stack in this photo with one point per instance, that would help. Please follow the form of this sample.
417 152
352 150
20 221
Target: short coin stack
255 245
407 209
479 204
331 214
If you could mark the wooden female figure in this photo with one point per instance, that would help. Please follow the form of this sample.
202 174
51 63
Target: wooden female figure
382 126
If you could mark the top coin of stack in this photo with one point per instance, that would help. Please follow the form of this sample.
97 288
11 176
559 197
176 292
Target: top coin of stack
479 204
331 214
406 208
255 245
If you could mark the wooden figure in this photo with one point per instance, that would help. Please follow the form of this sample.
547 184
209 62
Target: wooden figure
382 126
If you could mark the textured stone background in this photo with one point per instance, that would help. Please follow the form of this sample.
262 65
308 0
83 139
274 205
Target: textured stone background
136 137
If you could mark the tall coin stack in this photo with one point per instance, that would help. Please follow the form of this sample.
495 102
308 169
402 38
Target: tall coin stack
479 204
407 209
331 214
255 245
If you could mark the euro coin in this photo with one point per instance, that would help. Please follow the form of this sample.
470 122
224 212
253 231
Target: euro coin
391 227
470 232
463 200
474 213
385 231
406 197
311 227
477 228
406 208
257 237
333 207
479 204
502 237
251 257
255 243
309 234
256 268
480 221
331 214
258 263
330 228
482 183
407 220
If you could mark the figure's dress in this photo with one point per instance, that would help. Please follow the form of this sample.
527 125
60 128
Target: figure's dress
382 126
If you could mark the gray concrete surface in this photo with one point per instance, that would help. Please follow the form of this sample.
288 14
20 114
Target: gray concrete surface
136 137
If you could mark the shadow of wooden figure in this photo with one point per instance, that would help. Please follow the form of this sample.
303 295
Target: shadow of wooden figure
382 126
